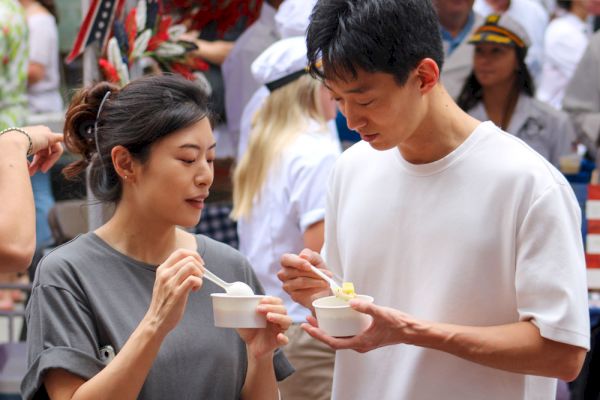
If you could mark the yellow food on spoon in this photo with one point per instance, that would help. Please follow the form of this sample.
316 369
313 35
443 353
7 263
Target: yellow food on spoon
346 292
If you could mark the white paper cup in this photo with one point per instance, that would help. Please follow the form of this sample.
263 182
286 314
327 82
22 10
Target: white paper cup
237 311
337 318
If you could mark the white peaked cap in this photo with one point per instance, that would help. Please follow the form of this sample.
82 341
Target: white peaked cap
282 59
293 16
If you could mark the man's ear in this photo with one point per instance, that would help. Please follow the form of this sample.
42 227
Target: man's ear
123 162
428 74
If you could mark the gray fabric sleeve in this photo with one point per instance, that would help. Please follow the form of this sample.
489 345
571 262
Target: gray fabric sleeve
283 368
61 335
582 95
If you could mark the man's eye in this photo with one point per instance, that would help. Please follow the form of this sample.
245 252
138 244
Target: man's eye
210 160
365 103
188 161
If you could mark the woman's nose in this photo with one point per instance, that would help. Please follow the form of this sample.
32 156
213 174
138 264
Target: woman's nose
205 176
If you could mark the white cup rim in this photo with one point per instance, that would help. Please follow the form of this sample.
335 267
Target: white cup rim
323 307
225 295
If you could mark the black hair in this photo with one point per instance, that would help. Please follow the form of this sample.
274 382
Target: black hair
135 117
390 36
472 92
564 4
51 7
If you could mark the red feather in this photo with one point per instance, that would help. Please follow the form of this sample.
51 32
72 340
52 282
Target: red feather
162 34
131 28
109 70
183 70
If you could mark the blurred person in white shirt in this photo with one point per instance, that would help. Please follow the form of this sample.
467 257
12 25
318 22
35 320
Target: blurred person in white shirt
279 195
237 76
565 42
291 19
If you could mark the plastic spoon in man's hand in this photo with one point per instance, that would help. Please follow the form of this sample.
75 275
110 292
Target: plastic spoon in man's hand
232 289
345 293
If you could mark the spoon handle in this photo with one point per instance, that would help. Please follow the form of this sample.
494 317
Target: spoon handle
334 286
215 279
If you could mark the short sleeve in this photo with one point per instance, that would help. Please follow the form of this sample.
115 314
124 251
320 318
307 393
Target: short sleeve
60 334
550 276
308 187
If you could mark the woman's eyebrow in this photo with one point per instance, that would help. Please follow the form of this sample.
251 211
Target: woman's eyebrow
196 147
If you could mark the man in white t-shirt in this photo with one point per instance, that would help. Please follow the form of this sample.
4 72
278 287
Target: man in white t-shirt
468 240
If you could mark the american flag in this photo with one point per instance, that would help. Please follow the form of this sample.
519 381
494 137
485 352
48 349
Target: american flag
96 26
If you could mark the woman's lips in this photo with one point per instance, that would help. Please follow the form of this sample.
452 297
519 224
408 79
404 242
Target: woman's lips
196 202
369 138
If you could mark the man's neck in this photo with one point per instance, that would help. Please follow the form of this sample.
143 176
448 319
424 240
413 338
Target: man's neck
444 128
274 3
500 6
454 24
579 11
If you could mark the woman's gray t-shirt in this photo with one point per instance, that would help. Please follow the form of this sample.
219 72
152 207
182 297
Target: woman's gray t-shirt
87 296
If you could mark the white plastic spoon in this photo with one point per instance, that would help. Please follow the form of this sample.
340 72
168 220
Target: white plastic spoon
335 288
232 289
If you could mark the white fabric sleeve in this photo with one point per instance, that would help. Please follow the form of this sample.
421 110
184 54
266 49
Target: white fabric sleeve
563 54
60 334
550 276
41 40
309 186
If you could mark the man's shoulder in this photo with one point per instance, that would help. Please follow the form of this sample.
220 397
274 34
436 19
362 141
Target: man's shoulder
503 155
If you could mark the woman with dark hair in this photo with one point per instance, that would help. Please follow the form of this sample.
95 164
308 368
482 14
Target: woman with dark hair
500 88
112 313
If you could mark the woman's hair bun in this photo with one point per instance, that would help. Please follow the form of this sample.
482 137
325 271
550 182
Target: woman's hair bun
80 122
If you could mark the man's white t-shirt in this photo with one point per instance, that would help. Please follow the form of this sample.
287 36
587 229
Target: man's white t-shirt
292 199
488 235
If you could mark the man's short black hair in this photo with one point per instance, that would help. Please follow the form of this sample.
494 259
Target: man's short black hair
390 36
564 4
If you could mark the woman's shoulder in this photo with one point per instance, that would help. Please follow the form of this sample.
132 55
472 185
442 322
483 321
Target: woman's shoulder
211 248
60 265
545 111
316 141
41 21
80 256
